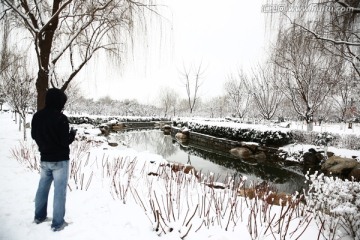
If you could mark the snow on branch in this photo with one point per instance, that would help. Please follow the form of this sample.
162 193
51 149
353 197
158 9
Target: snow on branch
55 15
317 36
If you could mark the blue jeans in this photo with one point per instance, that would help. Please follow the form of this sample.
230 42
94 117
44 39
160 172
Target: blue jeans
59 173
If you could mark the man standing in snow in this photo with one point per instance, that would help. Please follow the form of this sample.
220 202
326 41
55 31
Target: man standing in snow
50 130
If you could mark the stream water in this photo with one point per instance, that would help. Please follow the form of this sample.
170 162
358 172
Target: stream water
285 178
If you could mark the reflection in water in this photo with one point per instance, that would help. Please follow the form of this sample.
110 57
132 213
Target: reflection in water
222 164
153 141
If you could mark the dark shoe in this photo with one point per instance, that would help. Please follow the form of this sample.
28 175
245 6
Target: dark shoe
38 221
56 229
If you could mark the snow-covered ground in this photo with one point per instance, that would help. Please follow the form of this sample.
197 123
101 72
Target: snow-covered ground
92 214
120 200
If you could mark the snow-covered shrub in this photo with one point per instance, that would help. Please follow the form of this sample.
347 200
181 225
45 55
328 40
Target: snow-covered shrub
323 139
269 137
277 138
80 169
305 137
27 154
348 141
336 206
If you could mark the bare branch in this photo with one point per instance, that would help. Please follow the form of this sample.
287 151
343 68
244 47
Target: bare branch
25 19
337 42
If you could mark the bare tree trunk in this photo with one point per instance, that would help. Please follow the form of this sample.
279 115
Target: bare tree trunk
42 84
309 126
15 117
24 126
19 123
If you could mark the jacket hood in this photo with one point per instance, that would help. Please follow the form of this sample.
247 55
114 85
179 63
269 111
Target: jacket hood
55 99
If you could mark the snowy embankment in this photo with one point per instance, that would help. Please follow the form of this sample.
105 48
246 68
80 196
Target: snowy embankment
124 194
343 141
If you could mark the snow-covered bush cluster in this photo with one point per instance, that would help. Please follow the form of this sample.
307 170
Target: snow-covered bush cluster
323 139
335 202
348 141
267 137
98 120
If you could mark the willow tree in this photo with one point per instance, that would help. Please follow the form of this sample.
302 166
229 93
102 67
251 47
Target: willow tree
266 95
307 73
237 94
168 99
69 32
330 25
345 95
192 80
335 24
19 91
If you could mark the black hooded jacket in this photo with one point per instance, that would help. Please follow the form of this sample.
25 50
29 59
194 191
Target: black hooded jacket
50 128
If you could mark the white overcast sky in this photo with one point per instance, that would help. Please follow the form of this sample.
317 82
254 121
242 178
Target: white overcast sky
222 35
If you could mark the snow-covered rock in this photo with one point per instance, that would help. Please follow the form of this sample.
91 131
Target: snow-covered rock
339 166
